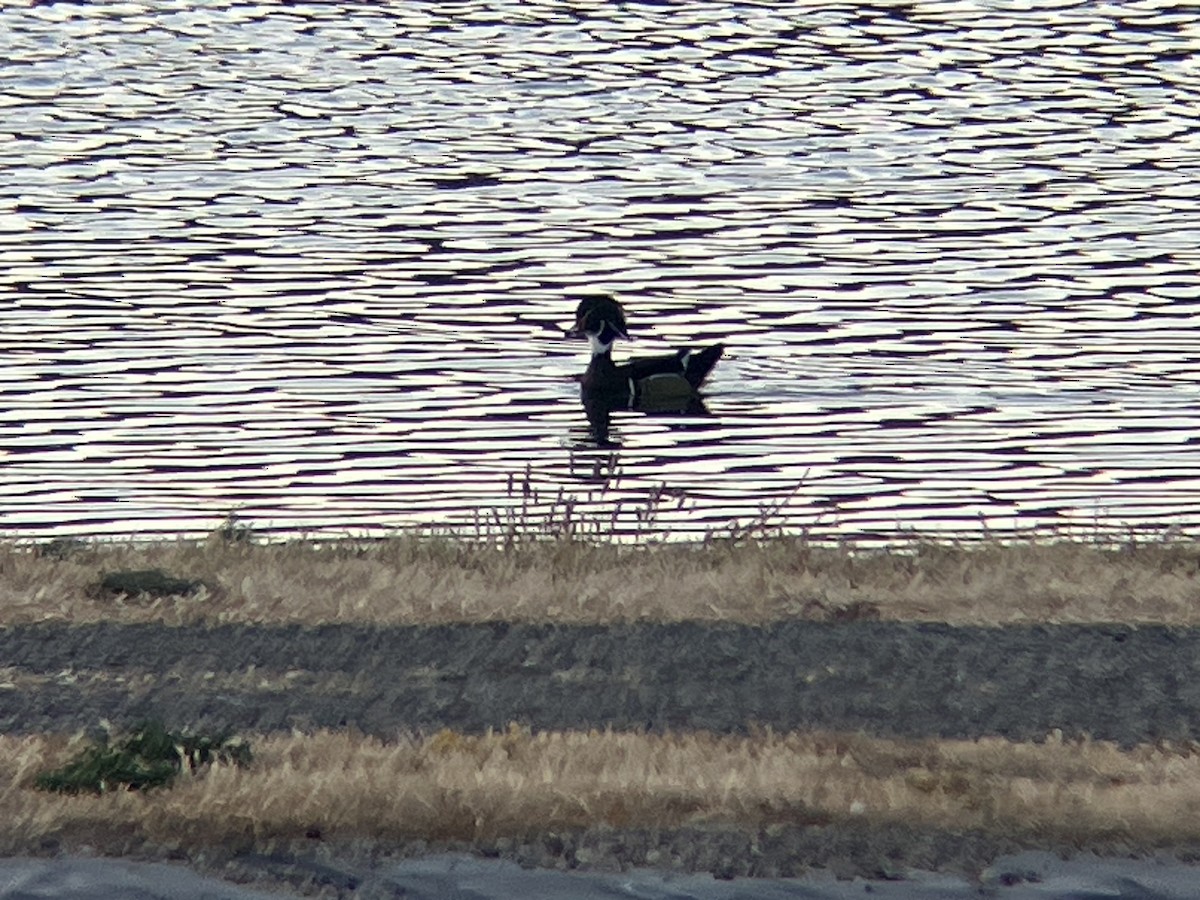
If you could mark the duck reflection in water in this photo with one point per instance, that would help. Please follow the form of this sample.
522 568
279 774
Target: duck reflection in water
655 384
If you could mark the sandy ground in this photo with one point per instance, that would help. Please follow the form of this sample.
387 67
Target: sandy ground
1115 683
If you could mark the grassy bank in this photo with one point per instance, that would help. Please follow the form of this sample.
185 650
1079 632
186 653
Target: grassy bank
485 790
421 580
454 787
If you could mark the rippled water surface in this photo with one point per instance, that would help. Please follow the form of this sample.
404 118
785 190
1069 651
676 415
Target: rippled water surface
312 261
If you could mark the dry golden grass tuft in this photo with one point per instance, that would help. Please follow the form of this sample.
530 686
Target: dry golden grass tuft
513 784
417 580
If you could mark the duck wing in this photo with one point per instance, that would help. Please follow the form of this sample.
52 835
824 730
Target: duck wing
692 366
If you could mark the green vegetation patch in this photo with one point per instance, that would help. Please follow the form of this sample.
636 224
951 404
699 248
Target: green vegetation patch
150 757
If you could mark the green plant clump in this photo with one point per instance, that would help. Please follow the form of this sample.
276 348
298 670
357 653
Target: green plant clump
150 757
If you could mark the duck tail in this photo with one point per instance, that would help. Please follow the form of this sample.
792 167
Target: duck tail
697 365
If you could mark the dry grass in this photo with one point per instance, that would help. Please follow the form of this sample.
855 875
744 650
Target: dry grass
456 787
414 580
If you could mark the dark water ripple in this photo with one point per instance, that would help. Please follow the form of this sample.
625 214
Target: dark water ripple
310 261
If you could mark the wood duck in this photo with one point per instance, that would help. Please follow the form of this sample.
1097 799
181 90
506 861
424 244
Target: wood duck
652 383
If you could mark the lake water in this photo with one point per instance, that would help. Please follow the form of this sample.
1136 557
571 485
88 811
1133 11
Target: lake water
311 262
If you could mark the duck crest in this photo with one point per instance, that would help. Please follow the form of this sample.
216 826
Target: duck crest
601 316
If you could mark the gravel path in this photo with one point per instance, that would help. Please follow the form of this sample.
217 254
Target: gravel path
1114 683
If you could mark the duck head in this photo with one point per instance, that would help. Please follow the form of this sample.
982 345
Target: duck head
601 320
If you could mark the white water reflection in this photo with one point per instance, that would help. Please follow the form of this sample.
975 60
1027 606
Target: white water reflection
311 262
